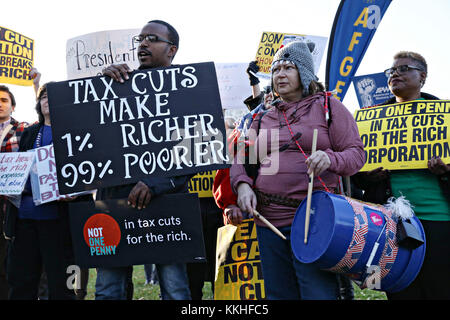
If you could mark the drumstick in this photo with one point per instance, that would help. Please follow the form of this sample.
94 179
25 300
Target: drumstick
310 187
267 223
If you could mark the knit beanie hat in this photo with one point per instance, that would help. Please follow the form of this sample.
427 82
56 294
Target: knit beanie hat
299 53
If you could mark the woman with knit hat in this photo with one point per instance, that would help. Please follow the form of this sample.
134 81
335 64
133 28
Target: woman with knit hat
301 105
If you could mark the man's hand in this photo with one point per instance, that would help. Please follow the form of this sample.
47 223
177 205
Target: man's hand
139 196
437 166
118 72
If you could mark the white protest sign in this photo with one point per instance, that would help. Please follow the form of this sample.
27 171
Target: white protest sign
234 85
14 170
270 42
44 181
88 54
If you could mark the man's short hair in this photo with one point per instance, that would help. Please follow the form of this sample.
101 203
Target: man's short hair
173 34
6 89
413 56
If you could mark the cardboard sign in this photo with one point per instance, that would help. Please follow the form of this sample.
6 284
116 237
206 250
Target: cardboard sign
113 234
238 265
14 170
272 41
233 85
88 54
161 122
202 184
16 58
405 135
43 177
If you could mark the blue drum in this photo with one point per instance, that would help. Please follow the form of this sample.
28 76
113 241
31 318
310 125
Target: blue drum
352 237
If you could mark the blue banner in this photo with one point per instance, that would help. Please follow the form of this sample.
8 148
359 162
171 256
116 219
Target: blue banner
354 26
371 89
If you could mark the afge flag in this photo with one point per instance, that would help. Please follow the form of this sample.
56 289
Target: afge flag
354 26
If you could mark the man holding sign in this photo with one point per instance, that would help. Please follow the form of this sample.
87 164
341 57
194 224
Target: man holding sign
158 44
426 187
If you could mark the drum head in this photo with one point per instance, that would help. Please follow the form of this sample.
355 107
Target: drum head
330 230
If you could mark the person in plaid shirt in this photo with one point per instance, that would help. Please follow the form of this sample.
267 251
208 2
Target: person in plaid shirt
10 133
11 130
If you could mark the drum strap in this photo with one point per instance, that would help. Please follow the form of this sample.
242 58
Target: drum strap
267 198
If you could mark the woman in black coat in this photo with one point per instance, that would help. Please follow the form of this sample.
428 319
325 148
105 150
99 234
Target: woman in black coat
39 235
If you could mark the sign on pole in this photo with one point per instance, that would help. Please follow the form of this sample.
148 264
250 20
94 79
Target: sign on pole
16 57
270 42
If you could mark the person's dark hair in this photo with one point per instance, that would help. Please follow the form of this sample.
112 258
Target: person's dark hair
413 56
173 34
6 89
315 87
41 91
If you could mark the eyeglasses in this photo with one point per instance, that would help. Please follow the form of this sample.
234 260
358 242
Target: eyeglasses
151 38
400 70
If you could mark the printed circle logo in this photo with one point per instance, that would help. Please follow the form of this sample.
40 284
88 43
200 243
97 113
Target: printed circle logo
102 234
376 219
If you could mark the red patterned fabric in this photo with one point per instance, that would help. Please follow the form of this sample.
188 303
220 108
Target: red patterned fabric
12 139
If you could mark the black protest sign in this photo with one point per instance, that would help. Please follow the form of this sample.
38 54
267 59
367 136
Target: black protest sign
112 234
160 122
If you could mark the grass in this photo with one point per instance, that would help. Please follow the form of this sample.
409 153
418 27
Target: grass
151 292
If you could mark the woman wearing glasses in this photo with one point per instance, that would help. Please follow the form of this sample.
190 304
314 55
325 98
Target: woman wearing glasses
427 190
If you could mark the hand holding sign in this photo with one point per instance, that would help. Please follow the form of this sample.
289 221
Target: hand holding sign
437 166
161 122
139 196
118 72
